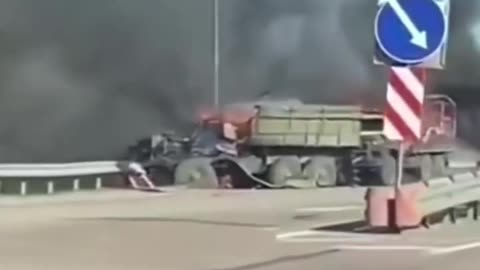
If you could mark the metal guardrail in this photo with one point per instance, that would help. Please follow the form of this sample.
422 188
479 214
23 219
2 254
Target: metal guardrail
57 170
462 190
49 178
25 179
414 204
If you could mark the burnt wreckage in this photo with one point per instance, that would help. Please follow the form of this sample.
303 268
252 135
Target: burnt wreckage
292 144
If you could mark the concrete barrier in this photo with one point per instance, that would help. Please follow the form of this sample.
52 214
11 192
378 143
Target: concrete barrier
408 213
379 207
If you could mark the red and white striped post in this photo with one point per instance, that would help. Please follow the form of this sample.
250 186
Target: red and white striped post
403 124
404 108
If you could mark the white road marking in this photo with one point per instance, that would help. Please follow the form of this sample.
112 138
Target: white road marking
328 209
326 240
313 233
432 250
269 229
453 249
308 236
383 247
295 234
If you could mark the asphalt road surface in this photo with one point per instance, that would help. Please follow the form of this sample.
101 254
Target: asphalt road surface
218 230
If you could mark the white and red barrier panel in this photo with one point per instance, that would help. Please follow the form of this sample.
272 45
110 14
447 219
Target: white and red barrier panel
404 108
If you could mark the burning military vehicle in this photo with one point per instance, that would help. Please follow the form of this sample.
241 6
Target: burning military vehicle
278 144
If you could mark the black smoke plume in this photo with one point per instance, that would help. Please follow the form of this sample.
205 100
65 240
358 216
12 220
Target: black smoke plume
82 79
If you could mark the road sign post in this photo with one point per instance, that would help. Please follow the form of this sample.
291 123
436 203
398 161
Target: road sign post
401 157
409 34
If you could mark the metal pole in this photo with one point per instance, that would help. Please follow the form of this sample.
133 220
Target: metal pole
401 155
216 54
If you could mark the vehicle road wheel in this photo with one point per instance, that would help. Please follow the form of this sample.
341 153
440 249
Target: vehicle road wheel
388 171
284 168
196 173
426 167
321 170
161 176
439 165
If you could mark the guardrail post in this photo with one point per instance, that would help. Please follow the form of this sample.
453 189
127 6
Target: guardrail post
50 187
474 206
23 188
98 183
76 184
452 216
475 210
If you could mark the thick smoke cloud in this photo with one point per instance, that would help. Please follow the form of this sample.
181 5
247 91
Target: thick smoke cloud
303 48
82 79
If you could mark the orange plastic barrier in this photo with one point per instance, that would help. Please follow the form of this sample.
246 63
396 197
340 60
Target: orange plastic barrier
390 208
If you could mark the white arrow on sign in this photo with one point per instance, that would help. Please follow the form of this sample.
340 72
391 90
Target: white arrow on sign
419 38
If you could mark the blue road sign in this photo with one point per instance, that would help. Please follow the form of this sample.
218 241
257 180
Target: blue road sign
410 31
